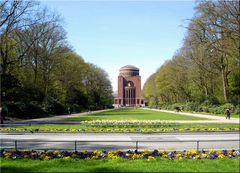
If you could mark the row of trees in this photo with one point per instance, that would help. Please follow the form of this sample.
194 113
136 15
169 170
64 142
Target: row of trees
207 67
40 74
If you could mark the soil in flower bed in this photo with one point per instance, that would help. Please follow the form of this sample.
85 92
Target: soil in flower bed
119 165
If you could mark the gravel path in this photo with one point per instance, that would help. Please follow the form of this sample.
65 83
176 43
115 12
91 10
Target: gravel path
54 119
212 118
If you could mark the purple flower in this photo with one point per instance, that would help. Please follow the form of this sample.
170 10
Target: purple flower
155 153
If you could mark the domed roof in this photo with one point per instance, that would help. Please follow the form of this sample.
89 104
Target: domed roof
129 67
129 70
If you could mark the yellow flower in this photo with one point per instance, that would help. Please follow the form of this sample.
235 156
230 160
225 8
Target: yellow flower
56 152
113 157
191 152
211 151
136 156
204 156
46 158
197 157
94 157
180 158
221 156
146 152
164 152
178 155
97 153
8 155
150 158
67 158
164 156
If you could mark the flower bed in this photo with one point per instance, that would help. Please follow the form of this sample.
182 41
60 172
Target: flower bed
131 155
129 123
116 129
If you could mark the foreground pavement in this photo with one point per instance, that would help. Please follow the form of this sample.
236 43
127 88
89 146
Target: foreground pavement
121 141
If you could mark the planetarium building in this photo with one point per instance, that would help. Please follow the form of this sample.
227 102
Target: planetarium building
129 87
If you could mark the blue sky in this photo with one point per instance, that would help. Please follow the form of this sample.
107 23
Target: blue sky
112 34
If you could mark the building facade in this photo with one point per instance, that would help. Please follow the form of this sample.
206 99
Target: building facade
129 88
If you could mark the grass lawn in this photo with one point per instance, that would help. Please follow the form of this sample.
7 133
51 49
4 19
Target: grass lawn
125 114
134 114
120 165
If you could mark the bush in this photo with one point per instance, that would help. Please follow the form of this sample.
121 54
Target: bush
76 108
165 106
237 110
211 101
191 106
177 107
54 107
222 109
25 110
204 109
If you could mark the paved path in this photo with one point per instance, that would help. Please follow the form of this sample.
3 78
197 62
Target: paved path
213 118
123 141
54 119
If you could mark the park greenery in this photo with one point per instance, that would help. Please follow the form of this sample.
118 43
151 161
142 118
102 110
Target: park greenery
41 75
119 165
204 74
120 161
125 121
134 114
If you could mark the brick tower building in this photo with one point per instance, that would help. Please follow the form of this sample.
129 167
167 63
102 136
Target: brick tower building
129 87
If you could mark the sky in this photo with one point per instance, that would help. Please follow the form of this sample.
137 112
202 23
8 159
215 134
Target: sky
112 34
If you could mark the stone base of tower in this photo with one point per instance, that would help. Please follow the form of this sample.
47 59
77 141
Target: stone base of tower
120 102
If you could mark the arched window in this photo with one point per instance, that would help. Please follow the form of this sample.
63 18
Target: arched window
130 84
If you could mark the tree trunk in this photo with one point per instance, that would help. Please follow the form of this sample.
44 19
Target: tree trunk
225 84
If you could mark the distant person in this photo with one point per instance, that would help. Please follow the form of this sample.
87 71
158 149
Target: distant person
178 109
69 110
228 114
1 115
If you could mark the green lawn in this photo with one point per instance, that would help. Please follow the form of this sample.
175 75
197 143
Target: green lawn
128 115
120 165
134 114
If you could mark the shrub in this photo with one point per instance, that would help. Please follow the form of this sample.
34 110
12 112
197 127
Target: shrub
54 107
237 110
204 108
211 101
191 106
177 107
222 109
25 110
76 108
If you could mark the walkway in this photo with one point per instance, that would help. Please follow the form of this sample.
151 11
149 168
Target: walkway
213 118
54 119
121 141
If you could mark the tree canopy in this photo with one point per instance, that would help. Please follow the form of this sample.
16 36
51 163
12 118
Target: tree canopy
206 67
40 73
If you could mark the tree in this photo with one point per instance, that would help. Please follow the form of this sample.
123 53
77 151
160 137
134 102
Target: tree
206 67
